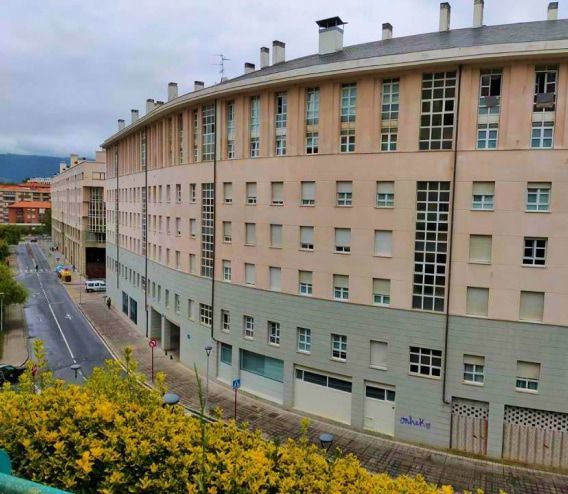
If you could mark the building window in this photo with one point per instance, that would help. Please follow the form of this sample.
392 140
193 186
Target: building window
250 234
280 123
389 114
347 117
226 321
308 194
538 196
226 354
168 193
389 137
480 249
249 274
230 130
305 283
546 77
274 281
277 193
178 193
531 306
381 291
473 369
343 240
542 135
340 287
344 193
432 204
477 301
195 115
207 229
251 193
482 195
276 236
193 227
323 380
190 309
347 140
228 192
487 135
254 143
383 243
304 340
193 193
438 107
535 252
273 333
385 194
378 357
227 232
178 259
425 362
312 120
339 347
227 270
205 314
177 305
192 263
248 326
307 237
528 375
267 367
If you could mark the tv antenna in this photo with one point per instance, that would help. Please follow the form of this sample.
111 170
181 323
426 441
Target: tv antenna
221 64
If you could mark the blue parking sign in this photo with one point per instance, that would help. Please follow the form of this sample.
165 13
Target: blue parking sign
236 383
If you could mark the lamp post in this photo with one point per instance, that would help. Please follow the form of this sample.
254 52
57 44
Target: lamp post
1 311
76 368
208 350
326 440
170 399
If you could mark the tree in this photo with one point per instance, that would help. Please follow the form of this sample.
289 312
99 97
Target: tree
14 292
4 250
46 225
10 233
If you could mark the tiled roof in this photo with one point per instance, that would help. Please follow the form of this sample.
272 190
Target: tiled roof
31 205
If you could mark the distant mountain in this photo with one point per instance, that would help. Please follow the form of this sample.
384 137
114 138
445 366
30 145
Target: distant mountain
16 167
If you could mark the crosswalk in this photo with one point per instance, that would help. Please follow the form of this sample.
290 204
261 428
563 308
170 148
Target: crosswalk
32 270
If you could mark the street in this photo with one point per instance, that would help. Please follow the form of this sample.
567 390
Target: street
52 317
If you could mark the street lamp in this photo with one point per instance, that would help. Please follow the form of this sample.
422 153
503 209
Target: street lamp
170 399
208 350
76 368
1 311
326 440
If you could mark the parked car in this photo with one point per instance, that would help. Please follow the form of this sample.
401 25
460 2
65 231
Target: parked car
33 239
95 286
10 373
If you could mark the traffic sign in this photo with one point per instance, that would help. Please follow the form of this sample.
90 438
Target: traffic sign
236 383
153 343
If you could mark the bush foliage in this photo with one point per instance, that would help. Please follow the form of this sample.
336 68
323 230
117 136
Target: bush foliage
112 436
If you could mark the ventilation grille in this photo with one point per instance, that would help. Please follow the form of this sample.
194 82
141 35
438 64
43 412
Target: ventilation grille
469 408
541 419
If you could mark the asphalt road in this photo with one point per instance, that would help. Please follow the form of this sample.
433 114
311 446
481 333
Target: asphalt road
53 318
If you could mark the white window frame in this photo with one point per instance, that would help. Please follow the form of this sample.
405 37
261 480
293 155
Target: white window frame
541 193
534 251
225 321
205 315
304 340
424 365
248 327
273 333
339 347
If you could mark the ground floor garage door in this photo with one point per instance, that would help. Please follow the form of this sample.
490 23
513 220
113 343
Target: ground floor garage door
535 436
380 408
469 425
322 394
262 375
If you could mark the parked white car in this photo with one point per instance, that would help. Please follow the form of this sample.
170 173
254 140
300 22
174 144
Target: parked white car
95 286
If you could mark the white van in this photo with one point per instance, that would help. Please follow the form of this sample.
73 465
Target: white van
95 286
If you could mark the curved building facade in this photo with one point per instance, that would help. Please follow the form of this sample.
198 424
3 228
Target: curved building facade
371 234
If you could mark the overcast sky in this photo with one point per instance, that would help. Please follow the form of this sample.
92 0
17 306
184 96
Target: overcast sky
70 68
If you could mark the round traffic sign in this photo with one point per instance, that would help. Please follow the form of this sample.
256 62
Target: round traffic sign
153 343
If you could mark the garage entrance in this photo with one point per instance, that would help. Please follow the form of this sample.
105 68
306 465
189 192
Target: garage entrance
380 408
469 425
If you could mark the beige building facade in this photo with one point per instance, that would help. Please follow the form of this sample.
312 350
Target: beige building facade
78 214
371 234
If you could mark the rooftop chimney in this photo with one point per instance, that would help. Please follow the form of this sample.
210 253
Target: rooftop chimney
197 85
330 35
133 115
149 105
278 52
249 67
172 91
73 159
264 57
120 124
159 103
387 30
552 11
224 78
478 13
445 11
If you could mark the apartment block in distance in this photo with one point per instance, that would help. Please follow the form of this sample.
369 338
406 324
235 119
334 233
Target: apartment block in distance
28 213
16 193
371 234
78 214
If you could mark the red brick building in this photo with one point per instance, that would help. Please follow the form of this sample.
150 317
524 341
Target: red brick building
28 212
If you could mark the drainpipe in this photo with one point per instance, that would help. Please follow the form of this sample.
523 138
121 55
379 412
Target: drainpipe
117 221
146 227
214 226
451 241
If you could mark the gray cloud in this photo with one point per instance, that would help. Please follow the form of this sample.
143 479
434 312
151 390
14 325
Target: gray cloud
70 68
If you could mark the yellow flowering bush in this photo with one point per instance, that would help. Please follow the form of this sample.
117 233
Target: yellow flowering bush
113 436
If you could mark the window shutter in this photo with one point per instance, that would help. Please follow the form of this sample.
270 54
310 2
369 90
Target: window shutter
305 276
340 281
538 185
251 189
250 233
276 235
379 353
528 370
249 274
480 248
309 191
532 306
477 301
473 360
275 276
228 190
342 237
227 228
381 286
277 192
344 186
483 188
383 243
385 187
307 234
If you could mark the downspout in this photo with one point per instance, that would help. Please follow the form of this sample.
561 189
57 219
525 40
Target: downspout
146 226
116 220
214 226
451 239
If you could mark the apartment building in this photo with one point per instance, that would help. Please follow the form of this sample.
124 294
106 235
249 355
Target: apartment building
78 214
371 234
26 192
32 213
